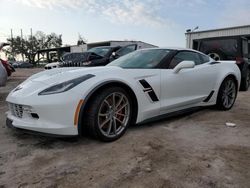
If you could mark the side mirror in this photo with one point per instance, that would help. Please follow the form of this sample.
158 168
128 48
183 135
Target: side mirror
113 54
184 65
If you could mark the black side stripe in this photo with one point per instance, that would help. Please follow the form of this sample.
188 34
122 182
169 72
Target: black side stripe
209 96
145 84
149 90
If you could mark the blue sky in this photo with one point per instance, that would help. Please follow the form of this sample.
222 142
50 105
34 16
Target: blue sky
160 22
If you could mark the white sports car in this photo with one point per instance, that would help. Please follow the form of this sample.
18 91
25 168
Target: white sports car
104 101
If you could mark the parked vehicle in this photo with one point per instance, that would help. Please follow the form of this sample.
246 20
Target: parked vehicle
3 44
9 68
229 48
3 75
138 87
21 64
5 68
98 56
51 65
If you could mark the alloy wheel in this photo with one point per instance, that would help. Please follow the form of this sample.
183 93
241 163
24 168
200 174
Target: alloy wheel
229 94
113 114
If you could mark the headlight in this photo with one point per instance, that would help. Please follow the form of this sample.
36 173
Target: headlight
65 86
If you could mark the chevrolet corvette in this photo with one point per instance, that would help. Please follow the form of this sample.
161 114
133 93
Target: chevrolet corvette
136 88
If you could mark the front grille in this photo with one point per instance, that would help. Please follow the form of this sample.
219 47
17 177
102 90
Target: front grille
72 64
16 110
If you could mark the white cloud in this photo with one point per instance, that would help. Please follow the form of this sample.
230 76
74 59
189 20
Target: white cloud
127 11
182 3
137 12
57 3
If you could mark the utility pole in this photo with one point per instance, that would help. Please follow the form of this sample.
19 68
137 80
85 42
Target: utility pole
22 44
31 39
11 35
31 42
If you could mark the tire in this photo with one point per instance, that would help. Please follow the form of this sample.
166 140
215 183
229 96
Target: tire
109 114
227 94
216 55
245 82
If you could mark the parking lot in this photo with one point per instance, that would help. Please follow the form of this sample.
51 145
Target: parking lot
191 150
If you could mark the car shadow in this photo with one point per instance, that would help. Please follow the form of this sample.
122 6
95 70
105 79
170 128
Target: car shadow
172 117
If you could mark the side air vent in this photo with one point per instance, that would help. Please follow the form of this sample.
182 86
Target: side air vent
149 90
209 96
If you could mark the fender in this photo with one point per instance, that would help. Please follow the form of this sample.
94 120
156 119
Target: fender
81 112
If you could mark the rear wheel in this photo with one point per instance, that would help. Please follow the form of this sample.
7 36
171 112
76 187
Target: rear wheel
245 83
227 94
109 115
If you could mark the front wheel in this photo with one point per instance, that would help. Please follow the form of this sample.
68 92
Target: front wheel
110 114
227 94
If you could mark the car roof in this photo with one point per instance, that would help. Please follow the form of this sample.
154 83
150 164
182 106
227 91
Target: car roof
105 47
176 49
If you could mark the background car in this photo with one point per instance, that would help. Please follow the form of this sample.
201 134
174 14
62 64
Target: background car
51 65
5 68
3 75
139 87
9 68
21 64
98 56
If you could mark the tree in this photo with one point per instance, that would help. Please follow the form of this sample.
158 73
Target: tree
14 48
29 46
81 40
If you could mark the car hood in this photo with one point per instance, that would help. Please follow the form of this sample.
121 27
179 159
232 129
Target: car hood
60 75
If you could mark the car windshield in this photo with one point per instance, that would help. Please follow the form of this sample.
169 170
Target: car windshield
102 51
149 58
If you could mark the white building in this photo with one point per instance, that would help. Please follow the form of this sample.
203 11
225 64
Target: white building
140 44
193 37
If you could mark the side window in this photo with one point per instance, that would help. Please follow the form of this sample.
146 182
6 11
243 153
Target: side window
204 58
185 56
125 50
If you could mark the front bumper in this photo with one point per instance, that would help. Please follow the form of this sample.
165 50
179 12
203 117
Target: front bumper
39 127
54 114
9 124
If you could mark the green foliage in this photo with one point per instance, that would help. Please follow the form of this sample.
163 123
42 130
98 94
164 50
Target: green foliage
28 47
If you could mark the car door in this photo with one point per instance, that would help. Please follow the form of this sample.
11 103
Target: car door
188 87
